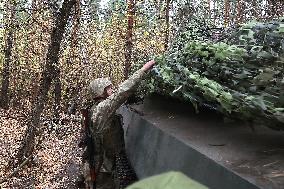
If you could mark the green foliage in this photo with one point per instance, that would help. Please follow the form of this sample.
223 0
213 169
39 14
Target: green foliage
241 80
263 41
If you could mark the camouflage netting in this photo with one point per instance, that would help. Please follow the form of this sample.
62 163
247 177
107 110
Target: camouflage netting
242 77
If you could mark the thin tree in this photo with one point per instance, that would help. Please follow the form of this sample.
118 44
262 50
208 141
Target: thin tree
226 12
4 98
239 11
167 23
73 55
129 43
48 74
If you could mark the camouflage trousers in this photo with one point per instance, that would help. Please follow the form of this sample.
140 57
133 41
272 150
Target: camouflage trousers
104 161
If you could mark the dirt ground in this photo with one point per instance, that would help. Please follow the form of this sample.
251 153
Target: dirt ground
56 162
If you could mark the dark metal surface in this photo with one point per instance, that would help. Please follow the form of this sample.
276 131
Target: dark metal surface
170 136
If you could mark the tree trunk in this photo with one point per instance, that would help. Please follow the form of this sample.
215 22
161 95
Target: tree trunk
49 73
75 29
73 92
209 9
255 9
57 95
227 12
167 23
4 102
4 98
129 43
239 11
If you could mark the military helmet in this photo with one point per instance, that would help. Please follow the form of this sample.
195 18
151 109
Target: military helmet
97 86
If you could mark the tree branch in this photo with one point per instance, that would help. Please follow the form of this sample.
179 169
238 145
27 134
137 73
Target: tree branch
16 170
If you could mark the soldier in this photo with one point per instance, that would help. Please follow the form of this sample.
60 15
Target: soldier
103 140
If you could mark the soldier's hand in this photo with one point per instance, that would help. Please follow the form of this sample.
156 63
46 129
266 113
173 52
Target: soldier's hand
148 65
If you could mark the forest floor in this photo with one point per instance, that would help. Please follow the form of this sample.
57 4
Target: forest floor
56 161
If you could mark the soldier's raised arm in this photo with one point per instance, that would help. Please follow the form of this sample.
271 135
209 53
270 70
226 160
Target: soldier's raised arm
106 108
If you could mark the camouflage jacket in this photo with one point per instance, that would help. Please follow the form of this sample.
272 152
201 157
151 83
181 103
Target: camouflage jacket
103 113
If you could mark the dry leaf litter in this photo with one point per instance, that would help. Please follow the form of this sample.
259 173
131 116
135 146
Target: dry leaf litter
56 162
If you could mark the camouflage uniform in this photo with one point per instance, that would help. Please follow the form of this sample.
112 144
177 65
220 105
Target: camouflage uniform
103 112
105 126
